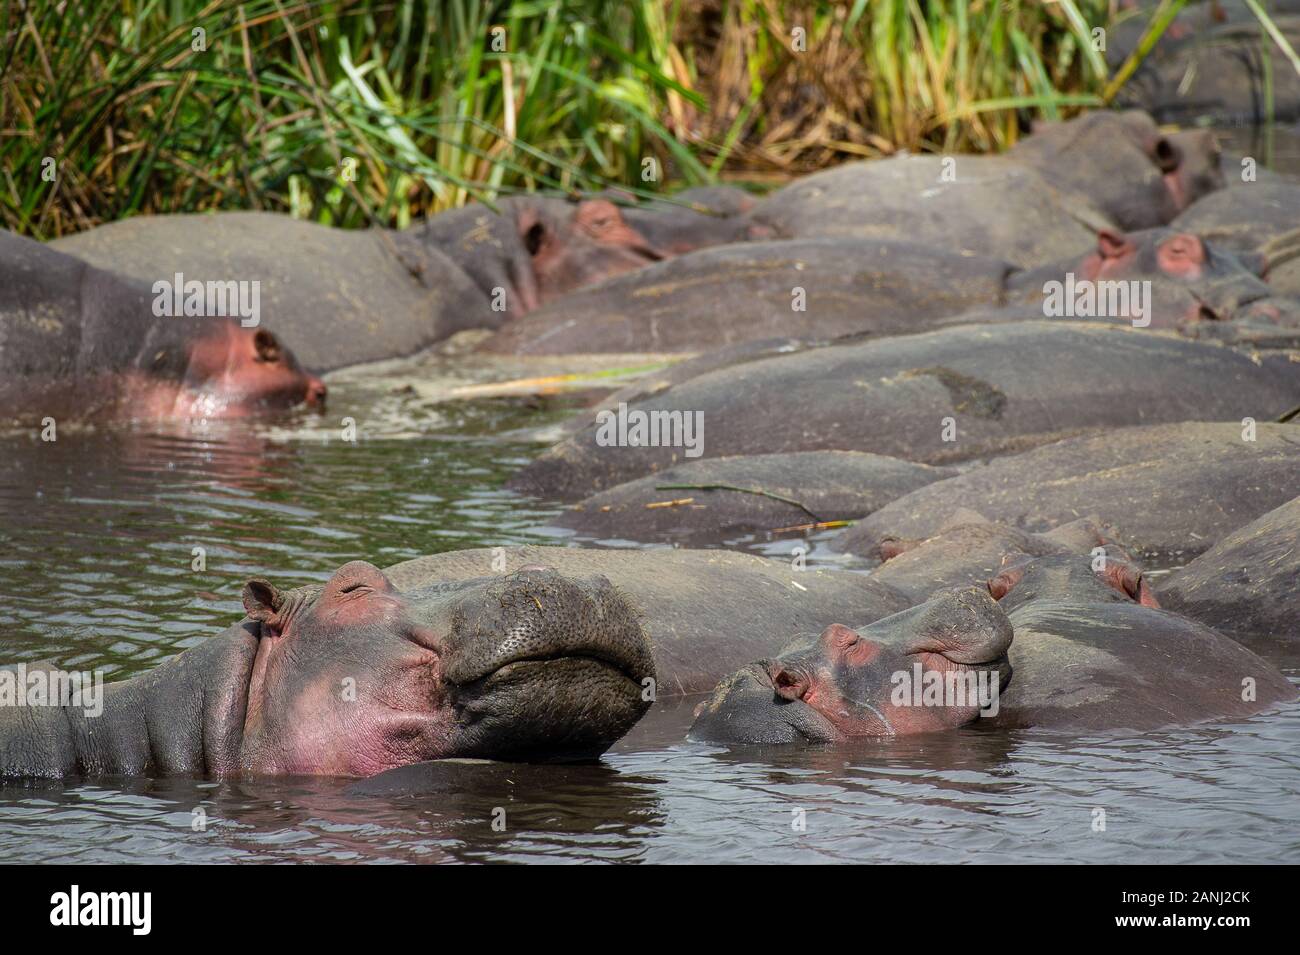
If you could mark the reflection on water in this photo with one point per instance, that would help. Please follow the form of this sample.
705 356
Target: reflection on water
1221 794
120 548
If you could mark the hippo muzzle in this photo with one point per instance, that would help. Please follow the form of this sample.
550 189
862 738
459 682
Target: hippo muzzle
540 666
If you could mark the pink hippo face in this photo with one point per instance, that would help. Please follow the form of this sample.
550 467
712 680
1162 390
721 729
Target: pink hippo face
874 681
573 245
234 372
358 678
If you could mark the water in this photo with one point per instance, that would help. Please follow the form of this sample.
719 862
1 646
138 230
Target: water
97 538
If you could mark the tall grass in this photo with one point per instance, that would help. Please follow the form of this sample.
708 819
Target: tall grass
346 111
360 111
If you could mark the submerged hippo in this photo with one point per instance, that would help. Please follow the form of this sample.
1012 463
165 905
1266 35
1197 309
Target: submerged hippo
1122 162
1036 205
972 205
718 499
1089 657
359 676
845 683
536 249
1248 583
340 296
1085 657
950 395
969 550
83 344
1259 218
1213 64
799 287
823 288
705 611
1171 490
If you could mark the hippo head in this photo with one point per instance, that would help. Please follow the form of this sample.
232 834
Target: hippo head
853 683
355 678
1108 579
1139 176
1190 280
234 371
577 244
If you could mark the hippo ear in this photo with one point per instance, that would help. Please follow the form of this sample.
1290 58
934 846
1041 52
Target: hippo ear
1112 244
532 230
267 345
263 602
1006 580
1130 581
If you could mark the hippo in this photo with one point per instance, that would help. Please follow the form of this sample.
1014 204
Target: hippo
1094 652
535 248
1187 281
967 205
944 396
824 288
1248 584
1134 173
692 219
80 343
1209 67
1067 646
1035 205
1169 490
802 288
705 611
844 683
1258 219
970 549
359 676
341 296
713 500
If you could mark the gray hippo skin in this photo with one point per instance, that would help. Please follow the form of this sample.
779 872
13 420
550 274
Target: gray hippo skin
533 666
1036 205
1085 657
995 207
1171 491
714 500
534 249
705 611
80 343
1005 387
969 550
340 296
1122 162
1247 584
824 288
1260 218
841 684
800 288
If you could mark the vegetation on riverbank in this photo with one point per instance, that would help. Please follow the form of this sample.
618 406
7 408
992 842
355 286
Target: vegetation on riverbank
356 111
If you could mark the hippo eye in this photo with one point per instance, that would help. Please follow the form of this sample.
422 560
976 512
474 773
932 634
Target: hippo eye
352 588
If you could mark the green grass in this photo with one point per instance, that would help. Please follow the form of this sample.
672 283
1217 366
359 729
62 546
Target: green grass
352 112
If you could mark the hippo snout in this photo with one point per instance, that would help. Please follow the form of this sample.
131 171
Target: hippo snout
546 666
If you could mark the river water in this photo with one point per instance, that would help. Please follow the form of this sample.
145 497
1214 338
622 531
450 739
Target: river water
98 532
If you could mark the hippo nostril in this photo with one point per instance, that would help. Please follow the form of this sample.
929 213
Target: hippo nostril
788 684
